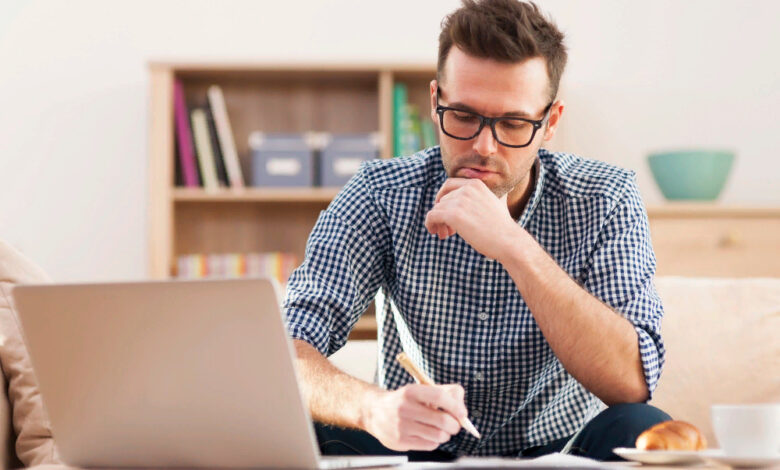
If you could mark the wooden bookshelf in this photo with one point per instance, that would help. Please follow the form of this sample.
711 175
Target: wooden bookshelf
340 98
270 97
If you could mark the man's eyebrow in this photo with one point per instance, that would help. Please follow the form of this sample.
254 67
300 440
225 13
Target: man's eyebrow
465 107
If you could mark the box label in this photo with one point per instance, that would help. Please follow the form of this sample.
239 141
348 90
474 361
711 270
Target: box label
283 166
346 166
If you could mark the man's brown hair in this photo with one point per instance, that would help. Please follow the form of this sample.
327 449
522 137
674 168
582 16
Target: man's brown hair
506 31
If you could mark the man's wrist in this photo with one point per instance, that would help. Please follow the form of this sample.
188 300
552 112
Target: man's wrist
365 409
514 245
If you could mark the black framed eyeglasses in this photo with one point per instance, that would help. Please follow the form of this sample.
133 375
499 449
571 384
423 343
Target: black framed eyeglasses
514 132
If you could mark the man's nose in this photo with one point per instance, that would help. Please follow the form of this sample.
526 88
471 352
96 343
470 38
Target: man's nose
484 143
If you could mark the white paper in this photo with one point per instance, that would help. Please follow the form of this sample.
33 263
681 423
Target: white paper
546 461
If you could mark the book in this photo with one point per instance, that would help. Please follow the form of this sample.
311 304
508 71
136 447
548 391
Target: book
276 265
399 116
428 133
184 142
200 130
414 130
219 162
409 138
225 132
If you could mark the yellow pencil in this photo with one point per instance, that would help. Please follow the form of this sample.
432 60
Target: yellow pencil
423 379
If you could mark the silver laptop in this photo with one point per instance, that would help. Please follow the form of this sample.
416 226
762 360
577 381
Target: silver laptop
171 374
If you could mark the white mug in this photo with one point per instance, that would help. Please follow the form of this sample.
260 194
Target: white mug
748 430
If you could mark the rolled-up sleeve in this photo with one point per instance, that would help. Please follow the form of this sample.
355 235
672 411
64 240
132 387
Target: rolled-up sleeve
621 272
342 271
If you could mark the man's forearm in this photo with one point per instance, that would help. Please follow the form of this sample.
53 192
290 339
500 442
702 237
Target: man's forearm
333 397
597 346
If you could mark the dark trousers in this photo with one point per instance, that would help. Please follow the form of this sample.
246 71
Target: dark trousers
617 426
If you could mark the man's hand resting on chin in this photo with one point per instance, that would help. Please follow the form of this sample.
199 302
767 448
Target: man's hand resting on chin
467 207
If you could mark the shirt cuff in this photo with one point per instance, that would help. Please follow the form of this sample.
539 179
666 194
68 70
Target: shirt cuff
304 333
650 357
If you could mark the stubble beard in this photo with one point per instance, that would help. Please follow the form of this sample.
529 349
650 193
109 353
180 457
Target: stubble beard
508 183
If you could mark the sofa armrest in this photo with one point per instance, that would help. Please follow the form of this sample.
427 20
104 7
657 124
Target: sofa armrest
7 438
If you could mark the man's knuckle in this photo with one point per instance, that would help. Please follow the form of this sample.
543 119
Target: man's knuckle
454 427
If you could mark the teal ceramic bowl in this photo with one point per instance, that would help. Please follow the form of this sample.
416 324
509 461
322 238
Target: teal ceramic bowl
691 175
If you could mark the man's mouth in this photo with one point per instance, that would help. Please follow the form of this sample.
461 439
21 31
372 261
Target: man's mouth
474 172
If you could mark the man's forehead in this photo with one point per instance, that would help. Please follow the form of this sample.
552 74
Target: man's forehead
494 87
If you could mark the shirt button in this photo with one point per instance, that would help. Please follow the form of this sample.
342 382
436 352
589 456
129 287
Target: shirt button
476 413
482 316
479 376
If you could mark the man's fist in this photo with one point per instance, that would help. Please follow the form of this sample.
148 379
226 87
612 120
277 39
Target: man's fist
414 417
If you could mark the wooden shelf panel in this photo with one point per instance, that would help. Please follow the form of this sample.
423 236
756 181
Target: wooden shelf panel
315 195
217 227
315 69
366 326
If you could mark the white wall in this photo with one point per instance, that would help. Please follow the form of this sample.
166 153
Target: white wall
73 96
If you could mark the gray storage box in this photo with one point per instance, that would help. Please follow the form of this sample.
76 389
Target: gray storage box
281 160
342 155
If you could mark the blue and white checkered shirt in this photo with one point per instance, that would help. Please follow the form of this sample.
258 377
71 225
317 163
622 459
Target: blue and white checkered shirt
458 314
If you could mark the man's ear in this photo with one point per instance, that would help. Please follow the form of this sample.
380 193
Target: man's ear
556 111
434 86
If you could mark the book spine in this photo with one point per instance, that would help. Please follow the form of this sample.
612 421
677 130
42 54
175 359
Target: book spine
407 137
226 142
428 133
219 161
415 130
200 128
399 112
184 137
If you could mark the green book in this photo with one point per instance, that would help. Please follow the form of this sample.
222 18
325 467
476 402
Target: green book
415 130
428 133
406 131
399 116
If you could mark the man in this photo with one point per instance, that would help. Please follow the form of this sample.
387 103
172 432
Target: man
522 278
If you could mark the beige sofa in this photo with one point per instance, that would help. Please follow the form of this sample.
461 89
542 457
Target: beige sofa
721 337
723 346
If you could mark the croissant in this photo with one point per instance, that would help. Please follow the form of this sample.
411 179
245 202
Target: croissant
671 435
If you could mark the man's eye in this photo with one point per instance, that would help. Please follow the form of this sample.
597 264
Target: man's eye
514 125
465 117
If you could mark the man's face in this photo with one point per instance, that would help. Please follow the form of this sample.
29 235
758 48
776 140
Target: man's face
494 89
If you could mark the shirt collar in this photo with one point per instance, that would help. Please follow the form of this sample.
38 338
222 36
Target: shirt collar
536 196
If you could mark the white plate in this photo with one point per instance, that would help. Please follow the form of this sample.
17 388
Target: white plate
660 457
719 456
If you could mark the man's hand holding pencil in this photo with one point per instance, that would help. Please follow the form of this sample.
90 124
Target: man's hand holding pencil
415 417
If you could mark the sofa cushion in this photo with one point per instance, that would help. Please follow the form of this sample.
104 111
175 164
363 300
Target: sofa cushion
34 444
357 358
721 337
